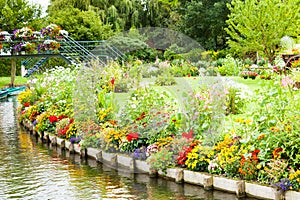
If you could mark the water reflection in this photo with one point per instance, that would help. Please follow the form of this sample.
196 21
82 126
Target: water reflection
31 170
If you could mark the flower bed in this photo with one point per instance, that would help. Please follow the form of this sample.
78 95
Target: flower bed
240 188
153 127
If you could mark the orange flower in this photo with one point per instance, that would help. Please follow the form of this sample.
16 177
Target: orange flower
275 129
254 154
261 136
276 152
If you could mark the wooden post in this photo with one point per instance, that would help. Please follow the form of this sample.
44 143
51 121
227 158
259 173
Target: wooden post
13 72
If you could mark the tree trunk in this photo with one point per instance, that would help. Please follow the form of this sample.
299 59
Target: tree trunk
13 72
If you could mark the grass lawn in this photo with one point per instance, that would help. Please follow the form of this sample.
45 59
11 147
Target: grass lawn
187 84
5 81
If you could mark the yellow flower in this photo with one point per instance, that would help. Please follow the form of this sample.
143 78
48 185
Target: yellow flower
288 128
239 120
232 131
258 166
248 121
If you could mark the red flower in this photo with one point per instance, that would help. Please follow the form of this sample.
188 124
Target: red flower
112 81
132 136
143 115
71 120
188 135
53 119
254 154
62 117
26 104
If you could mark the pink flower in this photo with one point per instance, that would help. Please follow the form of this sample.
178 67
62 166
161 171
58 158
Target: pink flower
286 81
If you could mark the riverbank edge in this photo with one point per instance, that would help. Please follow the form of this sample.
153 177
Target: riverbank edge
208 181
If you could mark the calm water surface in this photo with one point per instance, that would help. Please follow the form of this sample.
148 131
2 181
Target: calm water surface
32 170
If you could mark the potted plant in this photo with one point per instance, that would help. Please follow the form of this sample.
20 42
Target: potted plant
19 48
29 47
4 36
24 33
49 45
51 31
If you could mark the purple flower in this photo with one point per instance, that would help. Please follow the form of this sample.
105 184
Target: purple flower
284 184
139 153
75 139
34 122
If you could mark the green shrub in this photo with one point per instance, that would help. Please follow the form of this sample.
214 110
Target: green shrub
229 66
165 80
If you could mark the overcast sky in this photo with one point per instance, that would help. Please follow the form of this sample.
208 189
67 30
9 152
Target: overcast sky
44 3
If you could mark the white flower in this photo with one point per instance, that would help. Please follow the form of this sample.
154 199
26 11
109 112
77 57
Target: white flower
63 32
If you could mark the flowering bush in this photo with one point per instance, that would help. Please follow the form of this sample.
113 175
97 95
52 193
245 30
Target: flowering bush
148 113
248 166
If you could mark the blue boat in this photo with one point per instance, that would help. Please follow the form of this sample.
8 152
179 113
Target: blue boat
3 94
15 90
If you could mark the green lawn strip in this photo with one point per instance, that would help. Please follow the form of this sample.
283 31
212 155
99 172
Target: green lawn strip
5 81
255 84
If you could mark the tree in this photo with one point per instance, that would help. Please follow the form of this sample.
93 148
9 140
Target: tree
82 25
15 14
258 26
204 21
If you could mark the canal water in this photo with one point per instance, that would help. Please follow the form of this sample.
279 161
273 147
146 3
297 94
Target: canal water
32 170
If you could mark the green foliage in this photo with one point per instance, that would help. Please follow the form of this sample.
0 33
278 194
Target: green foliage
5 67
17 14
161 160
90 141
122 14
229 66
258 26
204 21
234 103
81 25
165 80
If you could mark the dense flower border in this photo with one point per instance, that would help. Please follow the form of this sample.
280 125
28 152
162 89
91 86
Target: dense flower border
150 127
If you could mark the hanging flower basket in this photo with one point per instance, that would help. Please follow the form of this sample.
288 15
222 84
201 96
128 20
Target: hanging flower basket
25 33
4 36
29 47
51 31
48 45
